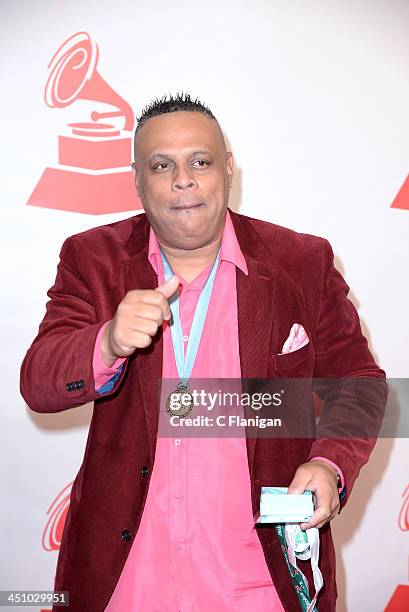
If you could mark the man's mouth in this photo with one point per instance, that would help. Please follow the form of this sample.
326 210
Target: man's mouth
187 206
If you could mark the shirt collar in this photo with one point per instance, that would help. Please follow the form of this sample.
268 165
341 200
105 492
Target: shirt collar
229 251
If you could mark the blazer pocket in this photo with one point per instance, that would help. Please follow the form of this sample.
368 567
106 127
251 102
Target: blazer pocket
294 361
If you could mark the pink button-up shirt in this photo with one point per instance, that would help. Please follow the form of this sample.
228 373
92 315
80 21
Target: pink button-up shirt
196 548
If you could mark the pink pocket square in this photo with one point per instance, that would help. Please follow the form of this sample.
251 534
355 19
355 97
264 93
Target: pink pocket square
297 339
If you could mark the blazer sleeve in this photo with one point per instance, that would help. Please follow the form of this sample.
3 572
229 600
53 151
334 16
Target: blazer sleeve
57 371
346 378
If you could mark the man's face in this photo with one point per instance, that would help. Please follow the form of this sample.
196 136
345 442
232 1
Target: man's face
183 177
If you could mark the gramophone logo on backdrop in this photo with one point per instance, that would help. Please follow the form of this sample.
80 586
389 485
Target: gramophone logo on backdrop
94 158
403 519
57 513
400 598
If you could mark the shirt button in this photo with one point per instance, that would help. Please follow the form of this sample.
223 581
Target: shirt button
178 498
185 338
126 535
177 442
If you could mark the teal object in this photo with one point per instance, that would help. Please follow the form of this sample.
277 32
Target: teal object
276 506
301 588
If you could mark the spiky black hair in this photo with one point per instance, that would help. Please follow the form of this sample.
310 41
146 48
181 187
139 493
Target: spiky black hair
171 104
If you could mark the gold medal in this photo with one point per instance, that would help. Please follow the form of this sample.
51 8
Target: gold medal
180 402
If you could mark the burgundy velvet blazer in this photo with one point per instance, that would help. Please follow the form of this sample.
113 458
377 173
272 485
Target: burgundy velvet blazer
291 279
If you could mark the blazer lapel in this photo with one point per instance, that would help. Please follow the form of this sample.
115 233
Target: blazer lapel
255 308
139 274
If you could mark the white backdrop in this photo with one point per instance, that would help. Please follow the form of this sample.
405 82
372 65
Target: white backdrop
313 97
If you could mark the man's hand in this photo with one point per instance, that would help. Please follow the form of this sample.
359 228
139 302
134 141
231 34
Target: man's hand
320 478
137 320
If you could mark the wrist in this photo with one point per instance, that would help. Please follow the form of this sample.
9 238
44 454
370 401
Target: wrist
332 468
108 355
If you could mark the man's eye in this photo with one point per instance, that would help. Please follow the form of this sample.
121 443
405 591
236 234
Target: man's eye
201 163
161 166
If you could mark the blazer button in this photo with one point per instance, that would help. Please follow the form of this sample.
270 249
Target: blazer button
126 535
81 383
145 471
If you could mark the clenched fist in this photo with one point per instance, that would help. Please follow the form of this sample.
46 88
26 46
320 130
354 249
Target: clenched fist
137 320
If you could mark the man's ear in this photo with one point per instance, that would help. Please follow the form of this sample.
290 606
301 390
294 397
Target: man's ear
135 174
229 166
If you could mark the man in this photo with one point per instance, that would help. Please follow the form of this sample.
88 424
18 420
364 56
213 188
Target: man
160 523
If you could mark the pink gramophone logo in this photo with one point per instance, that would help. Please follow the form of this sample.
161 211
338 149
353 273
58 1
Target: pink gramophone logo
400 597
57 514
93 175
403 519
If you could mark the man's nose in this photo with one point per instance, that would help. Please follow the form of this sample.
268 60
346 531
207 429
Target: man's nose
183 180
